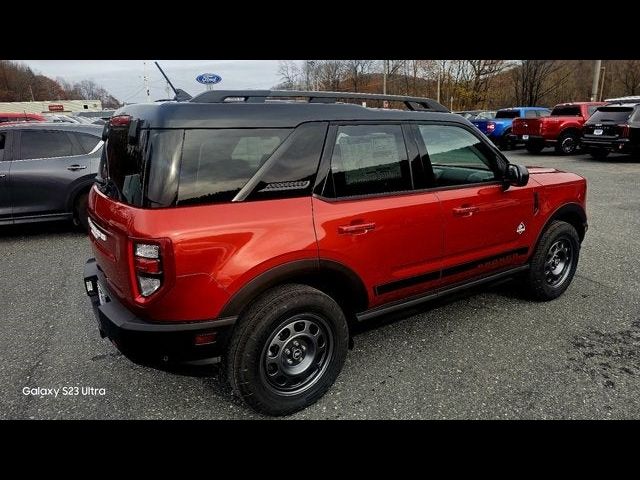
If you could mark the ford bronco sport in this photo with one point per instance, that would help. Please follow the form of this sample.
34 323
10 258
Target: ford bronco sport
256 227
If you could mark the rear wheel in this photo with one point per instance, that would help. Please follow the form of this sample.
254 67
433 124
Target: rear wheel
554 262
287 349
599 153
568 143
534 147
80 216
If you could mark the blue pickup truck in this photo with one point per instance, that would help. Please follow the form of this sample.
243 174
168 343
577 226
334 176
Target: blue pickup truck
498 129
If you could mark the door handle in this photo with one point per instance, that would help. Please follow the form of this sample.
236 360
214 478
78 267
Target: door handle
465 211
73 168
357 229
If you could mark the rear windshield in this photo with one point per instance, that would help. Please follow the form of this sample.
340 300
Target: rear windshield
566 111
164 167
611 114
508 114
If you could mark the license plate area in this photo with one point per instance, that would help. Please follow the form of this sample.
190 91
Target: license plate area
525 137
598 131
102 295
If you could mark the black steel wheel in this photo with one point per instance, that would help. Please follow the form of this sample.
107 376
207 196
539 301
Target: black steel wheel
554 261
297 353
287 349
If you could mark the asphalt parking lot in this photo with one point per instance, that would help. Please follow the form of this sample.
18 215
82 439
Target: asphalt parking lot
488 354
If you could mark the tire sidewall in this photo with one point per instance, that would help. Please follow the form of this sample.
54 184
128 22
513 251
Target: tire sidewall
563 138
248 379
557 231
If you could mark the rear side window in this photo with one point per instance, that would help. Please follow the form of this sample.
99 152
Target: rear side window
636 116
369 159
507 114
530 114
87 142
543 113
44 144
591 109
566 111
216 164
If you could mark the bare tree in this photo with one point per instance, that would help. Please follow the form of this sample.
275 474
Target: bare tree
290 74
628 73
534 79
356 69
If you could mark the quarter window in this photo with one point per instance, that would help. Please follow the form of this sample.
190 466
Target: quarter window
457 156
44 144
216 164
531 114
369 159
87 142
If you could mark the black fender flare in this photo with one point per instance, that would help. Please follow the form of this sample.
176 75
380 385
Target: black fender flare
574 210
307 271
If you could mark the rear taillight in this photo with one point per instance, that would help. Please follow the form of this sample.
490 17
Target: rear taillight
624 130
147 263
491 126
120 121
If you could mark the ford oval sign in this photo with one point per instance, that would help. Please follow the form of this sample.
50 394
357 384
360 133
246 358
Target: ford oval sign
208 78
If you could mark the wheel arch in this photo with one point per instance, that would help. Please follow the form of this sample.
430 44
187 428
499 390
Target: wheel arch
573 214
331 277
570 129
83 185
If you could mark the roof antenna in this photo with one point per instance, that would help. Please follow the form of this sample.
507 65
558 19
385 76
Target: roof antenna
181 95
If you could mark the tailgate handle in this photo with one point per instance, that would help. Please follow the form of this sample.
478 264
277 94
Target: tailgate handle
75 167
465 211
357 229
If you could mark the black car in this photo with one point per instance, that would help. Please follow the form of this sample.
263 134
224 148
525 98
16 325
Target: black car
614 127
46 171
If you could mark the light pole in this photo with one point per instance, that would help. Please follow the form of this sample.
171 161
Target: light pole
596 79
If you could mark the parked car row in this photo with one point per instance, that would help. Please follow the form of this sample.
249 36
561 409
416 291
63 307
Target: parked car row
598 127
97 118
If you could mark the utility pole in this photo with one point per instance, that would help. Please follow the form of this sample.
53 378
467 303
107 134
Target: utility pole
384 76
31 90
604 71
438 91
145 79
596 80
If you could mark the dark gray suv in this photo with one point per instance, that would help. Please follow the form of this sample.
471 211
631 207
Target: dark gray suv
46 171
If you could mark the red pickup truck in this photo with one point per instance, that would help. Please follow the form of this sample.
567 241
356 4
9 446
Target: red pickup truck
562 129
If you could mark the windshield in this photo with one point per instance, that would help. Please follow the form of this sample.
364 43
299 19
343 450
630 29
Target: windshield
611 114
508 114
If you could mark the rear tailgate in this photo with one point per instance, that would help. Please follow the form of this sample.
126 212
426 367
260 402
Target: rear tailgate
481 125
110 242
527 126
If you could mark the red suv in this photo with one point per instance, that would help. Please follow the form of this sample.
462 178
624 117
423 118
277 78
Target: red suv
254 227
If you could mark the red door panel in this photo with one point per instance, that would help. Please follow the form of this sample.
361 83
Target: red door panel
394 243
485 228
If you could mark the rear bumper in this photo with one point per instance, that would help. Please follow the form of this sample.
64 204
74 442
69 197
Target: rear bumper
531 139
141 340
616 144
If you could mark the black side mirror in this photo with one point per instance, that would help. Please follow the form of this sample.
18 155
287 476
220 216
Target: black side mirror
516 175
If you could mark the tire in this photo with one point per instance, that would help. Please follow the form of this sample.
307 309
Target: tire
599 153
505 142
287 349
568 144
80 216
534 147
554 262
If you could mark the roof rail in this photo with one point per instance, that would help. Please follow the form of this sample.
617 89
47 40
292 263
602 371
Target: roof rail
259 96
631 99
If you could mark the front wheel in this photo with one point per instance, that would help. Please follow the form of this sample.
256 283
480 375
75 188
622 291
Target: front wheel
505 142
80 215
287 349
554 262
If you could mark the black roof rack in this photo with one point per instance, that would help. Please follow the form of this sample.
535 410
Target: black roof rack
260 96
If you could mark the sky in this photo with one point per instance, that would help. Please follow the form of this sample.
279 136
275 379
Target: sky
124 78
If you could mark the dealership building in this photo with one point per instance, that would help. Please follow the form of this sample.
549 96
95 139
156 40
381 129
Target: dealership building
52 106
